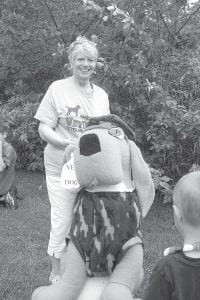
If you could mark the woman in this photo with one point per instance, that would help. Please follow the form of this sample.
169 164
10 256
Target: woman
63 114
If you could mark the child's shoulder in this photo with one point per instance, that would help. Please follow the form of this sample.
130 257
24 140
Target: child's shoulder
170 261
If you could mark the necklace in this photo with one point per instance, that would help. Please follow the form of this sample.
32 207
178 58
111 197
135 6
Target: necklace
86 91
191 247
185 248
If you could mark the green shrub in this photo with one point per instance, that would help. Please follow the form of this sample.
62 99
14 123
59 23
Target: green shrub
162 185
150 68
19 112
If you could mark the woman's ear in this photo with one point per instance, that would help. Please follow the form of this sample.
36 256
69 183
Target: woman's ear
4 135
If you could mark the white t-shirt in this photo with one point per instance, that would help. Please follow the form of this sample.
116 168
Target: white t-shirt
67 110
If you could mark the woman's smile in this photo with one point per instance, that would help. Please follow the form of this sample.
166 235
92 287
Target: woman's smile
83 66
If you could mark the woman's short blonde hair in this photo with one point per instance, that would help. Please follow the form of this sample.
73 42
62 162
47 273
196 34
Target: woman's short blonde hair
82 44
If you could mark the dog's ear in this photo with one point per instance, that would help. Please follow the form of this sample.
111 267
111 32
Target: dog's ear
142 179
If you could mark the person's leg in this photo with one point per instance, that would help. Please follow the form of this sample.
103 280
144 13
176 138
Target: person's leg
7 187
55 269
126 277
62 205
7 178
71 282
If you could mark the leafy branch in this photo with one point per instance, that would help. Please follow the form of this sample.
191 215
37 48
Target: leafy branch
167 27
54 20
192 14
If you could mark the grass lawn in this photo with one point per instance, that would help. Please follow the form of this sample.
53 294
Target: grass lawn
24 264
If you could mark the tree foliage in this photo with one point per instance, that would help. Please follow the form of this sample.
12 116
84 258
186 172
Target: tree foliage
153 76
149 65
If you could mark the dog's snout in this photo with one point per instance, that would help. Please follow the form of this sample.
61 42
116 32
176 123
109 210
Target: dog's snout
89 144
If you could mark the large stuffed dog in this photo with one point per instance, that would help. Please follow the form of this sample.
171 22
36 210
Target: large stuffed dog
116 193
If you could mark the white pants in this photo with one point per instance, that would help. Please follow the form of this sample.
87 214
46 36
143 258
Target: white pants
62 205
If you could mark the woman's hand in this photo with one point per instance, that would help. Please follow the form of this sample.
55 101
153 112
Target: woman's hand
52 137
70 142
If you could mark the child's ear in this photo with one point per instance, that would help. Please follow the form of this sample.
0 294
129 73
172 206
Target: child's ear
177 212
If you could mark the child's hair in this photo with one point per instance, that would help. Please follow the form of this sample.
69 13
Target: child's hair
187 191
82 44
4 127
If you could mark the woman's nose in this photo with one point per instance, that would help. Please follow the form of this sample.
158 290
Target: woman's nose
86 62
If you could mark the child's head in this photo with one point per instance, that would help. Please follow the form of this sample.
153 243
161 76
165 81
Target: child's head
186 198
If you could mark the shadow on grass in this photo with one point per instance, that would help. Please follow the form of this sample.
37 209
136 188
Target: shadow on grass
24 235
24 264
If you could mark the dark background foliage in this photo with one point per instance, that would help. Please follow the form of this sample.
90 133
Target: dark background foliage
149 65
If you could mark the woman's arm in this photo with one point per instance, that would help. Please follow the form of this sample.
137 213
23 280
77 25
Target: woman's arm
50 136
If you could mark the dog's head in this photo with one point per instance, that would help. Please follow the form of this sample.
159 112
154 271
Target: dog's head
105 153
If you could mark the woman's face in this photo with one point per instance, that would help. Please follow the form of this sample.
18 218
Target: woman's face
83 65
